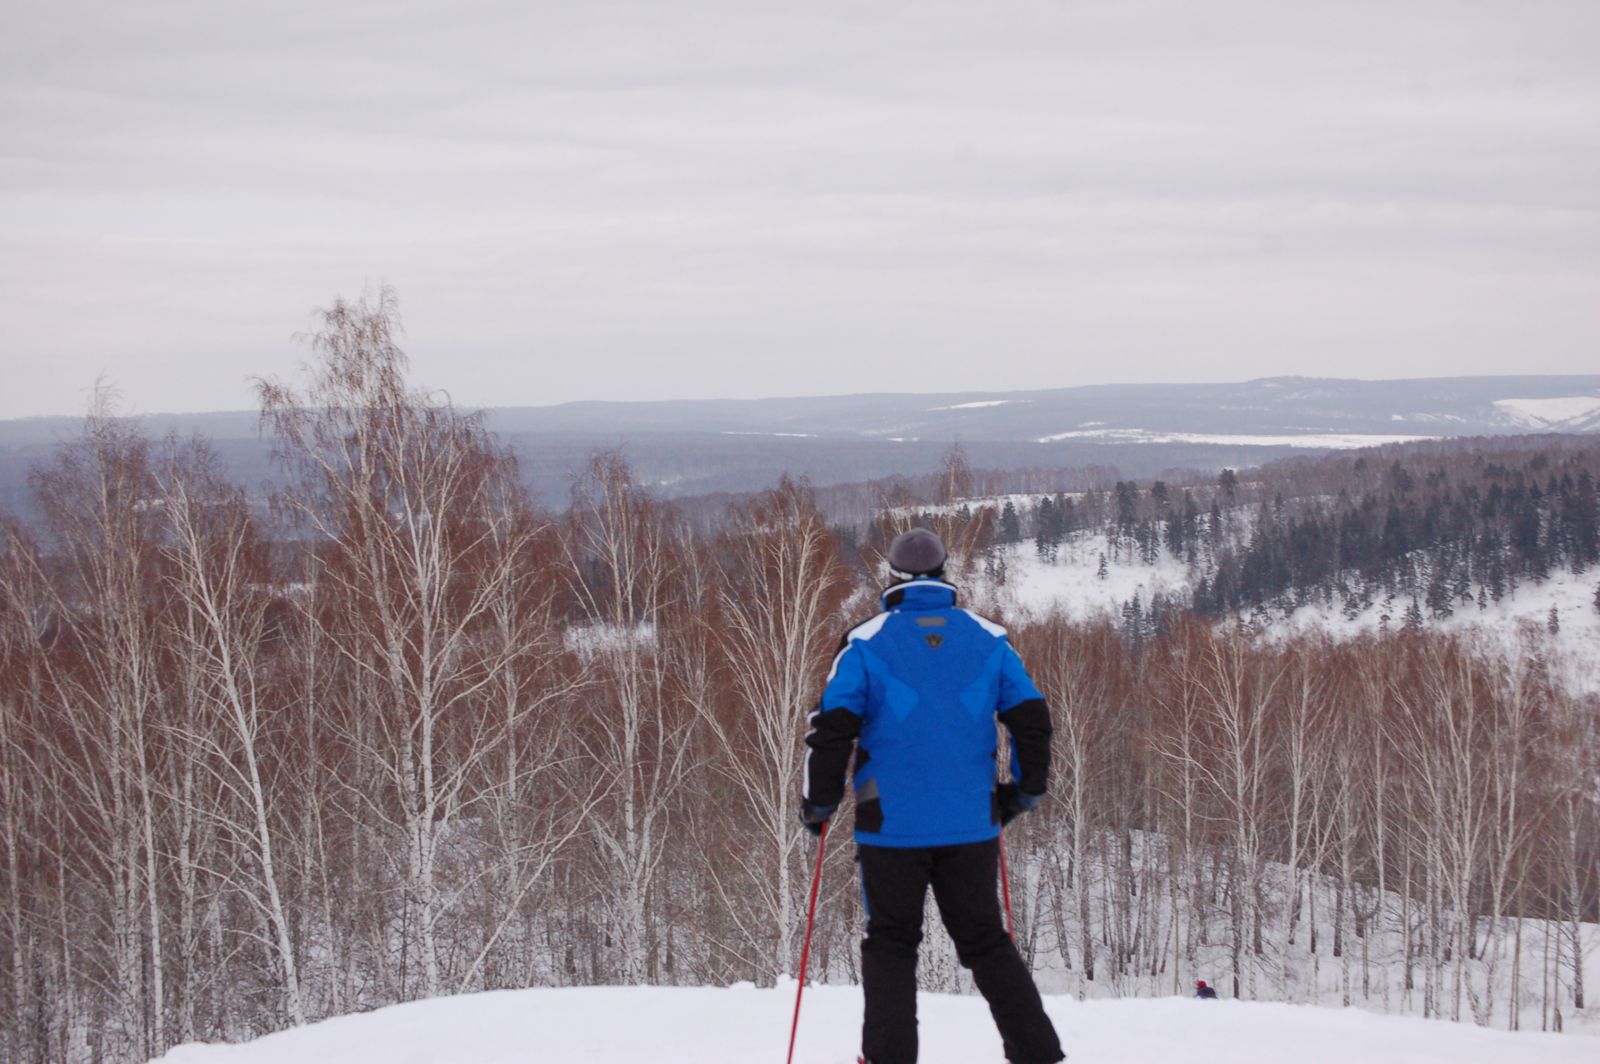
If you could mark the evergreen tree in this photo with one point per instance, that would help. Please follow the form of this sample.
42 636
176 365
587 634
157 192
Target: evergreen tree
1133 622
1439 598
1181 525
1149 540
1399 479
1581 516
1010 524
1525 538
1127 496
1395 543
1414 616
1228 485
1553 623
1497 577
1048 540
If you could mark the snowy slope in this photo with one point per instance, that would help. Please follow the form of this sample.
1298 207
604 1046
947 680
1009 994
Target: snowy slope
650 1025
1571 413
1072 585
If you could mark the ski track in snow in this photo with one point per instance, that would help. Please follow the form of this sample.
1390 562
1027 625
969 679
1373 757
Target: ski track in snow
657 1025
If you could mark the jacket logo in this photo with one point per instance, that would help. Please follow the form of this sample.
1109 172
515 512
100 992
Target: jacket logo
933 639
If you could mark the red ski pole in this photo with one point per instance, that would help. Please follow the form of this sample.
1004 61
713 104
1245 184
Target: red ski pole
805 951
1005 887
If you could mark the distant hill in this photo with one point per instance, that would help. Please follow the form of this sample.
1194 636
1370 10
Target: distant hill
697 447
1273 407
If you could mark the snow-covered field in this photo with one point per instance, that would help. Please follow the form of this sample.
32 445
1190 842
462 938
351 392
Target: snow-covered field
1321 441
651 1025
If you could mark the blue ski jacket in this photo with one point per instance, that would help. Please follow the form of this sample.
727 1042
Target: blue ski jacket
916 691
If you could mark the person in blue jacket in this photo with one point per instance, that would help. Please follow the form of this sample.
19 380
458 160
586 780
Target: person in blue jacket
914 693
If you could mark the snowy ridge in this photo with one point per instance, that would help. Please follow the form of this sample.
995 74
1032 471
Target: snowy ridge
654 1025
1313 441
1260 412
1576 413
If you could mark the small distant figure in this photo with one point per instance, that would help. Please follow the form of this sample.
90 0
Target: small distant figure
1203 992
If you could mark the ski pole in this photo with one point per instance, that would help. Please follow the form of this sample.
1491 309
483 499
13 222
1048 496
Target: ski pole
1005 888
805 951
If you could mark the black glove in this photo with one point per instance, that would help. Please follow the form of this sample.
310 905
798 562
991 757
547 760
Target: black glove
1014 801
812 817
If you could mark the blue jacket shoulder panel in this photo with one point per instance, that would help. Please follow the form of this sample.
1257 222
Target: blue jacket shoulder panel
846 686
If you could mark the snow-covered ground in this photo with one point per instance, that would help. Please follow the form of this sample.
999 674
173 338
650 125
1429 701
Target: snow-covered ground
592 640
1548 413
651 1025
1321 441
1499 627
1073 584
980 404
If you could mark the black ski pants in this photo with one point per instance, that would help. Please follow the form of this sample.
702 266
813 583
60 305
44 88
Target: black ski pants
894 884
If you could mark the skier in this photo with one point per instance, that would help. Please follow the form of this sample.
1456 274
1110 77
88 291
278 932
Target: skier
916 691
1203 992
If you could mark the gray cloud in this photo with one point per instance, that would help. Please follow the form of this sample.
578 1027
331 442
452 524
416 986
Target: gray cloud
643 200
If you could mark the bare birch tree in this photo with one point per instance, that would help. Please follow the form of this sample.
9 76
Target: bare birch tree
99 503
416 516
621 571
219 579
783 587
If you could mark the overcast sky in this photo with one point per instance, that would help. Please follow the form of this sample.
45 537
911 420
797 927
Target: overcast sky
698 198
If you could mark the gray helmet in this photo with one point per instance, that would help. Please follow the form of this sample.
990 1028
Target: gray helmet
917 553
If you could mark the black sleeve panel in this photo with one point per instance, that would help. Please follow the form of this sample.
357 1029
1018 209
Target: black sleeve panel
831 738
1029 725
